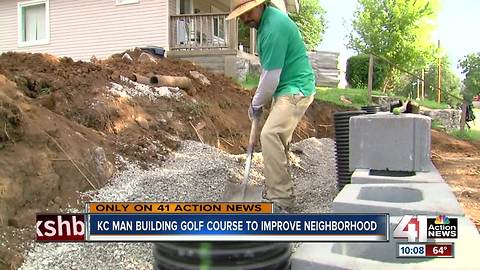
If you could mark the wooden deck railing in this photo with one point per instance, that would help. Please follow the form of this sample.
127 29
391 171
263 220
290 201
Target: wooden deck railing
199 31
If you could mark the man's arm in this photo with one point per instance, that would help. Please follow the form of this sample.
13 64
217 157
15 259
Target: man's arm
267 85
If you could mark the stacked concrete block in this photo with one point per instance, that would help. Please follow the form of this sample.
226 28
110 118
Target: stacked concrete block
343 256
325 67
384 141
398 199
367 176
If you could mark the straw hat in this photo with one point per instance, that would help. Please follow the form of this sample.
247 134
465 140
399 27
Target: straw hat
242 6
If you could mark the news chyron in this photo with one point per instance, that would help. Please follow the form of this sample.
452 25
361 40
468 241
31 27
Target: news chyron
418 235
232 221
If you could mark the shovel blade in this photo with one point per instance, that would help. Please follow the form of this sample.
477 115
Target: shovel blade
233 193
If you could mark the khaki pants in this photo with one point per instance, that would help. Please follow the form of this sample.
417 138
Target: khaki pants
276 135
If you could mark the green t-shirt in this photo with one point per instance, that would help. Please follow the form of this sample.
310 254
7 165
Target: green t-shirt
280 45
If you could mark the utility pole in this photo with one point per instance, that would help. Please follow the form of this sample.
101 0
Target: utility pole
253 41
418 89
463 116
423 84
439 83
370 78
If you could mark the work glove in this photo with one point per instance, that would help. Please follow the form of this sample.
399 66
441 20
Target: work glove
254 113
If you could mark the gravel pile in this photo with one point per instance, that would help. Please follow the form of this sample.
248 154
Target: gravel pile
196 172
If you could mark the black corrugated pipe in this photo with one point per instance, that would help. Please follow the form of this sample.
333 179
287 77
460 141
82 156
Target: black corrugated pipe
342 133
372 109
221 255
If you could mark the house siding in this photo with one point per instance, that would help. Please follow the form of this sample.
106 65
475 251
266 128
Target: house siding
172 6
81 29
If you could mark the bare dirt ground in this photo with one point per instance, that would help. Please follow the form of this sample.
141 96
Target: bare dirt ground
459 164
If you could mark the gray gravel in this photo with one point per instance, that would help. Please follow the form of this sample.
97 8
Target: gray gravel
314 175
196 172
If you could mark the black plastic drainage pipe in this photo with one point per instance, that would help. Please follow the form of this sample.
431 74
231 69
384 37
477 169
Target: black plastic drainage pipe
221 255
342 144
372 109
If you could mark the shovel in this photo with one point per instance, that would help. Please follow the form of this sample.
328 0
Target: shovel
243 192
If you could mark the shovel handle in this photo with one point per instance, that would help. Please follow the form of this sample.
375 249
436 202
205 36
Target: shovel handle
253 133
248 162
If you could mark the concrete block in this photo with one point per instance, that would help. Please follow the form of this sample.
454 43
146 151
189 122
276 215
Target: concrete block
364 176
398 199
384 141
342 256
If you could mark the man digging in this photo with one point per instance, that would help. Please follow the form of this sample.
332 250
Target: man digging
287 80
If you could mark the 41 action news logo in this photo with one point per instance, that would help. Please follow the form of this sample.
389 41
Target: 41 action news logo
422 228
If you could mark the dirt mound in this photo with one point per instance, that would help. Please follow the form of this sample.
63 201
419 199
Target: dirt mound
215 114
445 142
10 117
459 163
77 90
43 156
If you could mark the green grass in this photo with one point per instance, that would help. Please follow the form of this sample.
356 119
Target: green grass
358 97
432 104
251 81
476 124
436 125
467 135
472 134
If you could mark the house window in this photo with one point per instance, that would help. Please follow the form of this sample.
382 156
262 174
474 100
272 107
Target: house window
126 2
184 6
218 25
33 23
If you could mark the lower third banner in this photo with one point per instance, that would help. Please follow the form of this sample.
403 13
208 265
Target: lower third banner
246 227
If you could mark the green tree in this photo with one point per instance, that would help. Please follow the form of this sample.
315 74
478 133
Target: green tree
311 22
243 34
357 72
450 83
449 80
471 69
399 30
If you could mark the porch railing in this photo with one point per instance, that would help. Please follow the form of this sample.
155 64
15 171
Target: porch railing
199 31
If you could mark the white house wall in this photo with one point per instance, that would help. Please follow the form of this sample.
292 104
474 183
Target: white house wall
80 29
